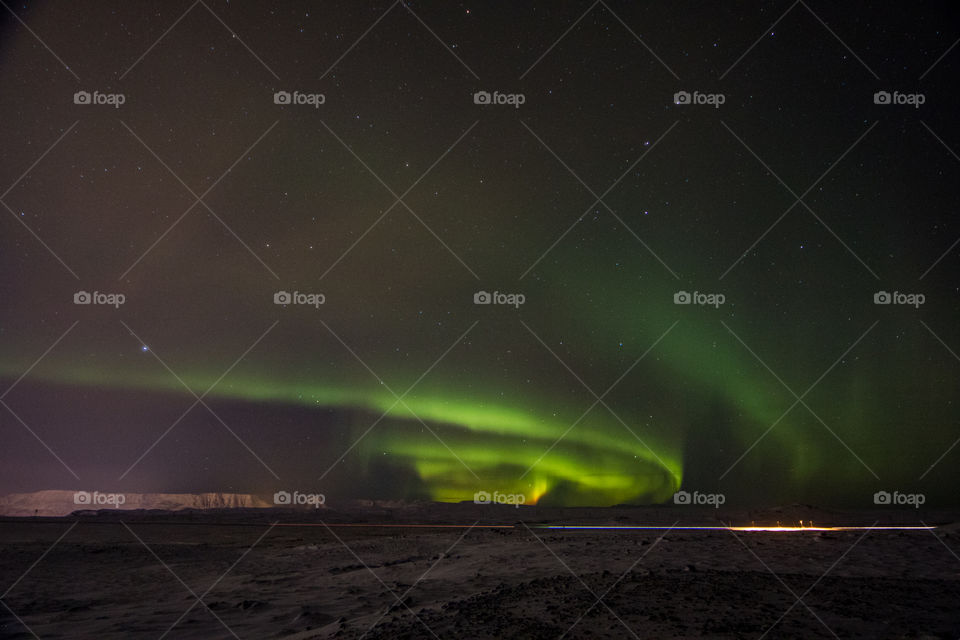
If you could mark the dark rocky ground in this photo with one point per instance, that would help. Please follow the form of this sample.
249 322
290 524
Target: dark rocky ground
137 575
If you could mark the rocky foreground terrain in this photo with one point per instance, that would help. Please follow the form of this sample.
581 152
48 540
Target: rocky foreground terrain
267 573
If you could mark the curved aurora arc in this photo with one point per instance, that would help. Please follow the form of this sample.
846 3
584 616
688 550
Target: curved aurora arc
596 462
490 444
697 393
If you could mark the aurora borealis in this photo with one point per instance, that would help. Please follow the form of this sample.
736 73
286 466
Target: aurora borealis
398 198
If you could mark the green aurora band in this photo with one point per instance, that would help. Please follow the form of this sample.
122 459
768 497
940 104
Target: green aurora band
539 444
483 435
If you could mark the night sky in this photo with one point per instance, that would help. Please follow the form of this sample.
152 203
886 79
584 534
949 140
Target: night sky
597 199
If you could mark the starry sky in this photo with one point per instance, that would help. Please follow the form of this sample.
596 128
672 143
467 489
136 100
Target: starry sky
597 199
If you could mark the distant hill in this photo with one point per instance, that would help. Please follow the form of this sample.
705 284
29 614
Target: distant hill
61 503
